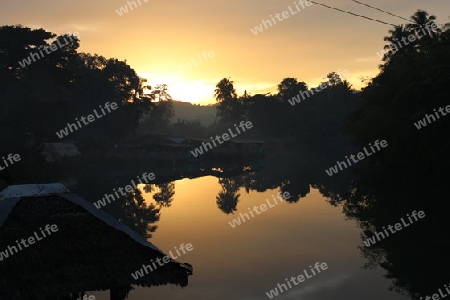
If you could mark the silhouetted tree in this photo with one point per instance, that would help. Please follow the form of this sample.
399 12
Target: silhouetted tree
396 45
400 96
421 18
229 108
224 90
50 89
290 87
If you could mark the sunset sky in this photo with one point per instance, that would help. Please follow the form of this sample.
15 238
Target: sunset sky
159 36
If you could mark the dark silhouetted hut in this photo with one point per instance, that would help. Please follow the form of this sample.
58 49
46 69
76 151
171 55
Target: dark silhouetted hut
91 251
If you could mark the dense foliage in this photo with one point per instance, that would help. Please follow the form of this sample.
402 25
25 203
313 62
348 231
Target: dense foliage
39 98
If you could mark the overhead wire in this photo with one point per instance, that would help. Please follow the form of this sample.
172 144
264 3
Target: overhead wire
354 14
386 12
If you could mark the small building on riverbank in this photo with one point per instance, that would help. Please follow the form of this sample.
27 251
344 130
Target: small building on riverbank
59 152
178 151
90 251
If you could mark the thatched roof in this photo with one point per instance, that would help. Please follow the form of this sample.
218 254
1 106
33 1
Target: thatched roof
90 251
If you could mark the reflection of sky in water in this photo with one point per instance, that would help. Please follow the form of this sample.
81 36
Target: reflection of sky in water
247 261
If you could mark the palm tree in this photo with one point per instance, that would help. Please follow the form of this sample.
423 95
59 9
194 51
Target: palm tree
225 90
397 35
229 108
422 22
420 18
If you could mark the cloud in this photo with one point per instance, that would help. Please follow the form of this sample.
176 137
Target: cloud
313 288
92 27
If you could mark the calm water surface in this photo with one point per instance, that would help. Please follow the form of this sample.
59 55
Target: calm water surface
249 260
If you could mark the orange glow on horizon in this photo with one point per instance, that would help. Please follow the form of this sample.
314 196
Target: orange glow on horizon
159 37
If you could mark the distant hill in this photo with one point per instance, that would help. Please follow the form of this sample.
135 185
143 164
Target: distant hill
189 111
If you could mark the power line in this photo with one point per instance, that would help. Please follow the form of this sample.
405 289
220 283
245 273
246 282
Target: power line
353 14
386 12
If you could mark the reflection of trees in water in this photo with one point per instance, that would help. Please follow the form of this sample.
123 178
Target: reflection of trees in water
258 181
148 188
413 257
261 182
165 195
296 190
338 189
228 198
137 215
120 292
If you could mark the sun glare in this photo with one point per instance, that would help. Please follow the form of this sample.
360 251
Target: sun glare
181 89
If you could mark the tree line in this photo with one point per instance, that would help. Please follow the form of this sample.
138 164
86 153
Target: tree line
38 98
